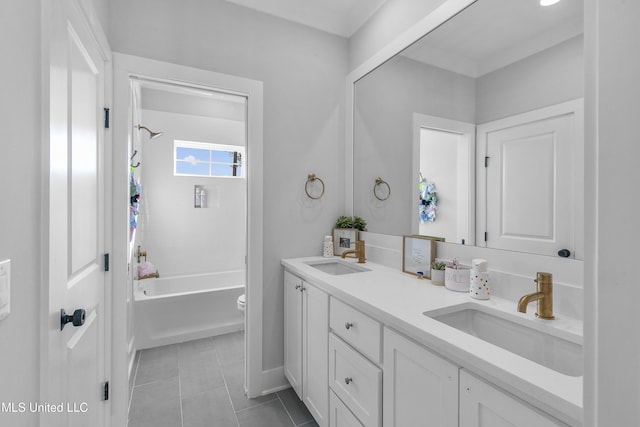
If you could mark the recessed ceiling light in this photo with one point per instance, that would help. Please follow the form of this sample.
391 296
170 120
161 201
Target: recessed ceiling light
548 2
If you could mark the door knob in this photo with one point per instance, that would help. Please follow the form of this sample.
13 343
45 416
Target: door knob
77 318
564 253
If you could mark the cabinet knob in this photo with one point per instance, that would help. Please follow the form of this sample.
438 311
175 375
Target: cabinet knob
348 325
348 380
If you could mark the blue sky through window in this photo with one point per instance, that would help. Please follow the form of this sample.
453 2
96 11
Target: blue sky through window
205 159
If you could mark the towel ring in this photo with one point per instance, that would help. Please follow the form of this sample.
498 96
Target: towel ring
380 181
310 178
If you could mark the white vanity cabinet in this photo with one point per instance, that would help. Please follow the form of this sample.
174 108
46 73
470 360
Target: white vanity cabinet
354 374
306 350
484 405
420 388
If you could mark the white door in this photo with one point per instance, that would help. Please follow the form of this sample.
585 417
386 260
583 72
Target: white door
532 181
75 362
482 405
293 331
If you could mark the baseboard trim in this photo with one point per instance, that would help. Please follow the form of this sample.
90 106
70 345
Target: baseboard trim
274 380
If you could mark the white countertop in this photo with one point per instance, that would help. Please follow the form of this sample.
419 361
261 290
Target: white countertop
398 300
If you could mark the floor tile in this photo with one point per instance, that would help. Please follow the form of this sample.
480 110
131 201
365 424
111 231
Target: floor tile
211 408
294 406
234 377
199 372
230 347
157 364
156 405
195 346
270 414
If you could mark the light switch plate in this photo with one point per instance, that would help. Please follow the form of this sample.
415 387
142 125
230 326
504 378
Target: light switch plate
5 288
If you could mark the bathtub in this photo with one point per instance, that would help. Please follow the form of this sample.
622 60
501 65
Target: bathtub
169 310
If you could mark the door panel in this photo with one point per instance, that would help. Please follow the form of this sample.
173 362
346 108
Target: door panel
532 180
75 365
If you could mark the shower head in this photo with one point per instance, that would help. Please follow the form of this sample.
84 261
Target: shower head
152 135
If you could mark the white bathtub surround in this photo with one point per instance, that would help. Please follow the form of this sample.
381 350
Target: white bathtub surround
399 300
175 309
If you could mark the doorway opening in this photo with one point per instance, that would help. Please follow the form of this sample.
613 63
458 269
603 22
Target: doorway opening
193 203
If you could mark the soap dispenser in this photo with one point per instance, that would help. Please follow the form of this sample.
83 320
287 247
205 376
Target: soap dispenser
327 248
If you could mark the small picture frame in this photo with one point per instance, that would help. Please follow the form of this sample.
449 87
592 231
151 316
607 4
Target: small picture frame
418 252
344 239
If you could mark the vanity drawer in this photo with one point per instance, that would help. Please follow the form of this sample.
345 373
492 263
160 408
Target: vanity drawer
340 415
356 381
359 330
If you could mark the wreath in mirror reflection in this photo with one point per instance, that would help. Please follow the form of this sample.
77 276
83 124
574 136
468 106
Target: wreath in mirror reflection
428 204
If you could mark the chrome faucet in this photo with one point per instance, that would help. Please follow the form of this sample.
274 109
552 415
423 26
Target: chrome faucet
358 251
543 296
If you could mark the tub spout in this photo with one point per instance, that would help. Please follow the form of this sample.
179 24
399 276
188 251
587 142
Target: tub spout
149 276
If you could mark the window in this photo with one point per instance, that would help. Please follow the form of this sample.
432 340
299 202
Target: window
204 159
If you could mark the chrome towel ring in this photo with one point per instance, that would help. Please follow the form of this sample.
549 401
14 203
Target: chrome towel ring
379 182
311 178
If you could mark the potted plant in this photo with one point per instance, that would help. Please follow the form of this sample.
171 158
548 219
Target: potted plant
437 272
351 222
345 232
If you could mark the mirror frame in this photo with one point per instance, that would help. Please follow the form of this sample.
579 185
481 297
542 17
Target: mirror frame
440 15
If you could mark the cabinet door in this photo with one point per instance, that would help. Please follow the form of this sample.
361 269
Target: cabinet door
293 331
483 405
420 388
315 352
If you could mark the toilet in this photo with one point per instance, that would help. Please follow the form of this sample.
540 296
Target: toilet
241 303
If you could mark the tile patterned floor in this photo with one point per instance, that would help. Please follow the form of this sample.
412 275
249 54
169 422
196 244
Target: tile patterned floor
200 384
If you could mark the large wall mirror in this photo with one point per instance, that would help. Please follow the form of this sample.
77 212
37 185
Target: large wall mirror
477 127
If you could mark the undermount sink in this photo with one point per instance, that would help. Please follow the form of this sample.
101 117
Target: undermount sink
337 267
556 349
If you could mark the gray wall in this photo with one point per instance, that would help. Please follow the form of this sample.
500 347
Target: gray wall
383 126
549 77
20 213
303 71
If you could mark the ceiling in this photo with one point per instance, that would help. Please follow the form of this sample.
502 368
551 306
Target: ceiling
493 33
341 17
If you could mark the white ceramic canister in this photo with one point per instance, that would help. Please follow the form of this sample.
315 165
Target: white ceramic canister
479 288
456 278
327 247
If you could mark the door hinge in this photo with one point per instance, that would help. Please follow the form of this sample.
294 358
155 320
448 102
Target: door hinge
485 236
106 118
105 391
486 161
106 262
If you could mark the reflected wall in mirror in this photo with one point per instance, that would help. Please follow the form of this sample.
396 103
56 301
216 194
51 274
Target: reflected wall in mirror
494 61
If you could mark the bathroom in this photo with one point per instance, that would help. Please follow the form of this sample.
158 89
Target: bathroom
188 221
305 129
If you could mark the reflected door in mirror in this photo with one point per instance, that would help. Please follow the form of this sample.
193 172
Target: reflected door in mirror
532 188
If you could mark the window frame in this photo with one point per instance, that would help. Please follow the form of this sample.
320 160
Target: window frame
211 147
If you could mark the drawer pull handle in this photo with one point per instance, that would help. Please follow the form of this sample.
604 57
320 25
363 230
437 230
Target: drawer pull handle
348 380
348 325
298 286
